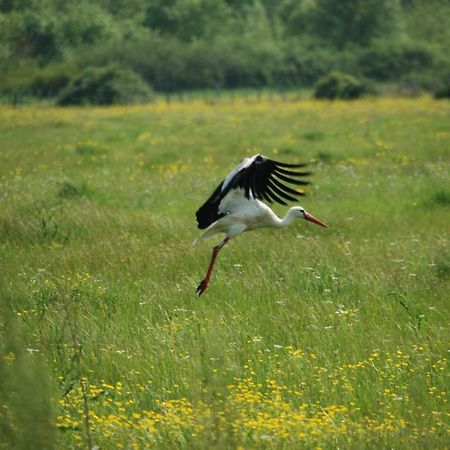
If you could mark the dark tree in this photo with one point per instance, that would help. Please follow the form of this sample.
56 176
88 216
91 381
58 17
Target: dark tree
354 21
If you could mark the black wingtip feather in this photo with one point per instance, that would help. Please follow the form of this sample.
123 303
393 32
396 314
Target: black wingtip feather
274 196
291 180
292 173
281 164
283 186
280 192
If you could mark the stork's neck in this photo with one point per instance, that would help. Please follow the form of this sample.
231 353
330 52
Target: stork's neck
286 220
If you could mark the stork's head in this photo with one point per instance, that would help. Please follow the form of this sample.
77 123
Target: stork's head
300 212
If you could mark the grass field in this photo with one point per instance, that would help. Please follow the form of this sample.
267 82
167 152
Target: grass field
306 338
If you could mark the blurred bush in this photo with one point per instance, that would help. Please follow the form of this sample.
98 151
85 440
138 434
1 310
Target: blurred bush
304 62
50 80
390 59
105 86
40 82
443 92
184 45
338 85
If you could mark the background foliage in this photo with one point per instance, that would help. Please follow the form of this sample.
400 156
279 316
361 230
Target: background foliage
191 44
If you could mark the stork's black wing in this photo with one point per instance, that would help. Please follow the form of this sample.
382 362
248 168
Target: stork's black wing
260 177
208 213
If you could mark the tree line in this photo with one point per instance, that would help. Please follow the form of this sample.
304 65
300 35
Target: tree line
174 45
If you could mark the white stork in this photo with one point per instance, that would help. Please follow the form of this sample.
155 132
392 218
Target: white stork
236 206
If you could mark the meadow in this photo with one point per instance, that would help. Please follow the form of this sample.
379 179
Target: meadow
306 338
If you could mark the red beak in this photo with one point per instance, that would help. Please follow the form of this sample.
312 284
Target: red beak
312 219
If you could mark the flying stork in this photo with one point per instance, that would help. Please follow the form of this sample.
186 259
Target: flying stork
236 206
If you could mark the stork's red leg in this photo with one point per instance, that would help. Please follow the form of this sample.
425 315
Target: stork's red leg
204 283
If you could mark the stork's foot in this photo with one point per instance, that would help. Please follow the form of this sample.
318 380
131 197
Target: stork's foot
202 287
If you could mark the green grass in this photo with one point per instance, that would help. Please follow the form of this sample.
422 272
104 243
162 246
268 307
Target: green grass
305 338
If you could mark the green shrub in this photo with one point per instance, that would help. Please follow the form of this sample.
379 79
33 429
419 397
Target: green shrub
69 190
30 80
169 65
308 62
443 92
49 81
340 85
388 60
105 86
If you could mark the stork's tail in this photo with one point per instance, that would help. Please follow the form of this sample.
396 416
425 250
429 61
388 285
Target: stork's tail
209 232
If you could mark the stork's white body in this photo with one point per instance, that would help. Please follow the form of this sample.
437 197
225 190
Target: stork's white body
241 214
